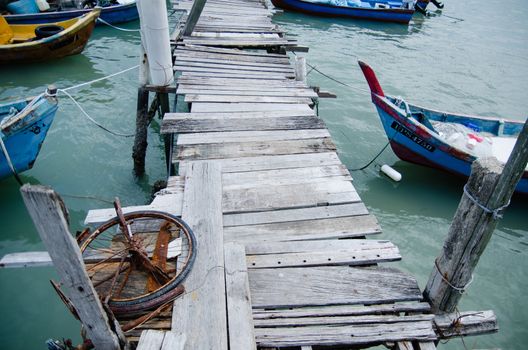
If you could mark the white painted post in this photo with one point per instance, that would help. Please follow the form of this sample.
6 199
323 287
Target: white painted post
50 218
156 40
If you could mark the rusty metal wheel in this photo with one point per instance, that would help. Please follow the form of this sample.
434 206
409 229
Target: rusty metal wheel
138 260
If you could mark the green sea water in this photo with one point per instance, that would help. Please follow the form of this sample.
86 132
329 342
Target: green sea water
472 58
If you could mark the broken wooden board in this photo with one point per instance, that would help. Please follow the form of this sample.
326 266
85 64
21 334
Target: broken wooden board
320 253
330 285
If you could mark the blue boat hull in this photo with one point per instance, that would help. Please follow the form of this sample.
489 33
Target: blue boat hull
111 14
24 139
413 144
319 9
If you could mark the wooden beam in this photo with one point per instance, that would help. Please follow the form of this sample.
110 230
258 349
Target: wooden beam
50 217
200 314
239 313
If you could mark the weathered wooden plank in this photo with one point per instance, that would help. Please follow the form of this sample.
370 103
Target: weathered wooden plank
48 214
240 317
265 198
254 92
294 215
201 314
367 320
170 202
233 72
285 176
429 345
273 162
241 124
237 42
151 340
184 54
348 227
245 136
227 87
330 285
341 310
26 259
234 75
237 81
168 117
191 98
465 324
252 149
345 335
234 65
248 107
190 47
318 253
173 341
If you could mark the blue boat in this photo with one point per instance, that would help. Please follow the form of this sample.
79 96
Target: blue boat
23 128
387 11
442 140
110 14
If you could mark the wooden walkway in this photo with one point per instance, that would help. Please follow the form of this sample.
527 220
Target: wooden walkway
282 257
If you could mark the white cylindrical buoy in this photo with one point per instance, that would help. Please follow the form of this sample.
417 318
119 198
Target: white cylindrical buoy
390 172
156 40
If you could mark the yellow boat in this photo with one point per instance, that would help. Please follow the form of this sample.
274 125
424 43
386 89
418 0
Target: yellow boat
39 42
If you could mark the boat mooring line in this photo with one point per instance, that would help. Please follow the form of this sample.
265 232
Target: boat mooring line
91 119
100 79
118 28
313 68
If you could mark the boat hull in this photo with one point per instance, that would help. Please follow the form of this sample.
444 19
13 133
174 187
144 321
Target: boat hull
110 14
70 41
24 139
414 144
385 15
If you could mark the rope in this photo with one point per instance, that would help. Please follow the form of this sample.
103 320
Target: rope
121 29
496 213
461 290
8 158
313 68
91 119
100 79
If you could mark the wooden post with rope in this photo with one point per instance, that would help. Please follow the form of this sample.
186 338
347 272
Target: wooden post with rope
51 220
486 194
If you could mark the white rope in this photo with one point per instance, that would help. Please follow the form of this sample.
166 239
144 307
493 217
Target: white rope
100 79
121 29
91 119
496 213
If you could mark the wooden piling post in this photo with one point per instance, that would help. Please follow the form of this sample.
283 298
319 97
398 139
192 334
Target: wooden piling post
51 220
194 15
491 186
139 150
300 69
163 99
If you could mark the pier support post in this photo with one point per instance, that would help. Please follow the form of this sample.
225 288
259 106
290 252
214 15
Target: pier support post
300 69
163 99
489 189
51 220
139 150
194 16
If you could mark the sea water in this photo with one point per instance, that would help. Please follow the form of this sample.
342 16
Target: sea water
472 58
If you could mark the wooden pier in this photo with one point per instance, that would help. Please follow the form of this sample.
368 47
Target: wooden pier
286 249
282 256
